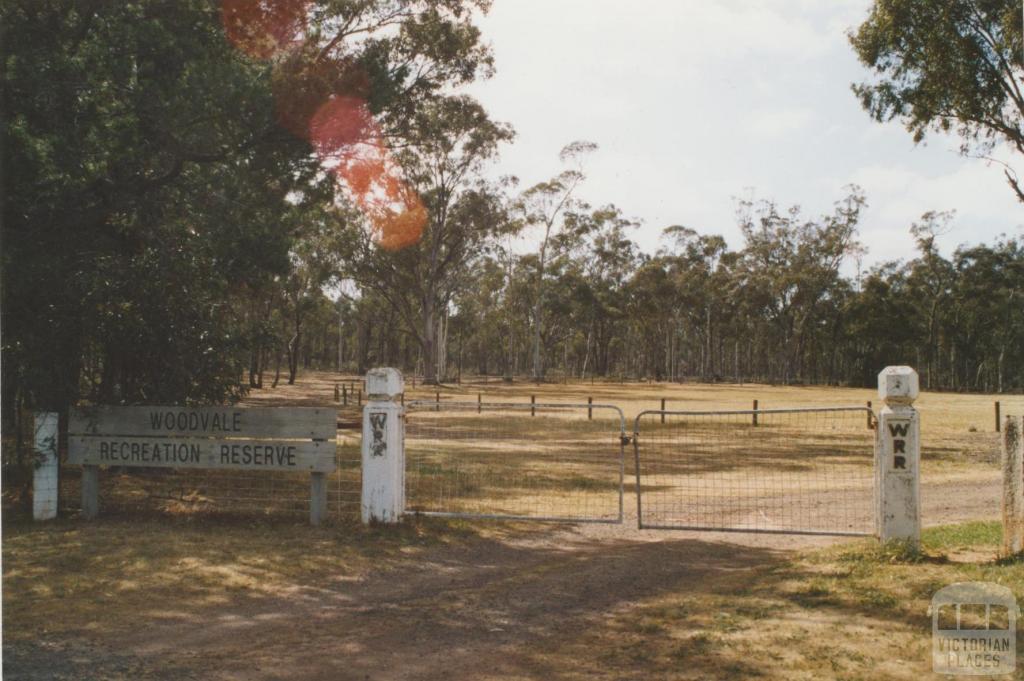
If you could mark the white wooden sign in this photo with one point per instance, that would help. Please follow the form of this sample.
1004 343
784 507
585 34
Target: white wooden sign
242 422
299 439
279 439
199 453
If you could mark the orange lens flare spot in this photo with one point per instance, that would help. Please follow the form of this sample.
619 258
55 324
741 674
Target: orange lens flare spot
262 28
397 230
303 82
341 123
396 213
323 100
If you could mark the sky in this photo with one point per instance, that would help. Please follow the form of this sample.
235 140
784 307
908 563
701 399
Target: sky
695 102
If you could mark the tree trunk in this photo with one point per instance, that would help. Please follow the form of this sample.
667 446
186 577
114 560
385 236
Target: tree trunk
293 357
429 343
538 309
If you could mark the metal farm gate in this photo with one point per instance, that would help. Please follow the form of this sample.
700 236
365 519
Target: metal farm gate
554 462
793 471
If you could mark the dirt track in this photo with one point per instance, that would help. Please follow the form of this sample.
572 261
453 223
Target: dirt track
488 610
499 609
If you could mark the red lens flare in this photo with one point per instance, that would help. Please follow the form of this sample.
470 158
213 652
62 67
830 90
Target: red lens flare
341 123
263 28
322 99
396 212
303 82
347 138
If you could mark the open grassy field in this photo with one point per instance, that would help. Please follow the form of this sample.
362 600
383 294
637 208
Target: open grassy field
175 592
562 464
956 428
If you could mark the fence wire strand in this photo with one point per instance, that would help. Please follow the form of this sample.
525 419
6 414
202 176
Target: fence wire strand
795 471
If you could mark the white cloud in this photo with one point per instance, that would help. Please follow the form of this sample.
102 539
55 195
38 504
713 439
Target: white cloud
778 122
692 101
899 195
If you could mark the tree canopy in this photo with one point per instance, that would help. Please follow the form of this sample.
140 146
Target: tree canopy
948 65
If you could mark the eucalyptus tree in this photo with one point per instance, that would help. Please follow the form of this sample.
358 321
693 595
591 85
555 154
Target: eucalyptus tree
948 65
445 147
143 143
543 205
790 267
990 290
703 284
932 278
609 257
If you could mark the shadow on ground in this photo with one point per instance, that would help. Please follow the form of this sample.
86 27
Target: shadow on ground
474 608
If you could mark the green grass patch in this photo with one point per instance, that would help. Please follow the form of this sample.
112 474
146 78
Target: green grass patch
981 533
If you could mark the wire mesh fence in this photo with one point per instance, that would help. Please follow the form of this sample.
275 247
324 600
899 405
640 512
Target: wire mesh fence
557 462
794 471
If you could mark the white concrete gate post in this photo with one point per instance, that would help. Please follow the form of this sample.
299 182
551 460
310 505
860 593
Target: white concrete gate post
898 457
44 475
383 448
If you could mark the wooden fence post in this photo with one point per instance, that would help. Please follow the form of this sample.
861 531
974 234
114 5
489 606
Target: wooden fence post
1013 485
479 403
533 402
317 498
337 393
90 492
755 413
344 395
998 416
663 410
871 415
590 408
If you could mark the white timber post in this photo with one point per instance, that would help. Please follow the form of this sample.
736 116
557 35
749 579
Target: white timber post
44 475
898 457
1013 485
383 447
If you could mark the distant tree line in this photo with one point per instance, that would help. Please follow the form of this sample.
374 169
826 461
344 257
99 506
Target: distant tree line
779 310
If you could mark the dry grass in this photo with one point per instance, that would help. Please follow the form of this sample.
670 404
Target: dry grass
113 576
953 424
852 612
447 600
